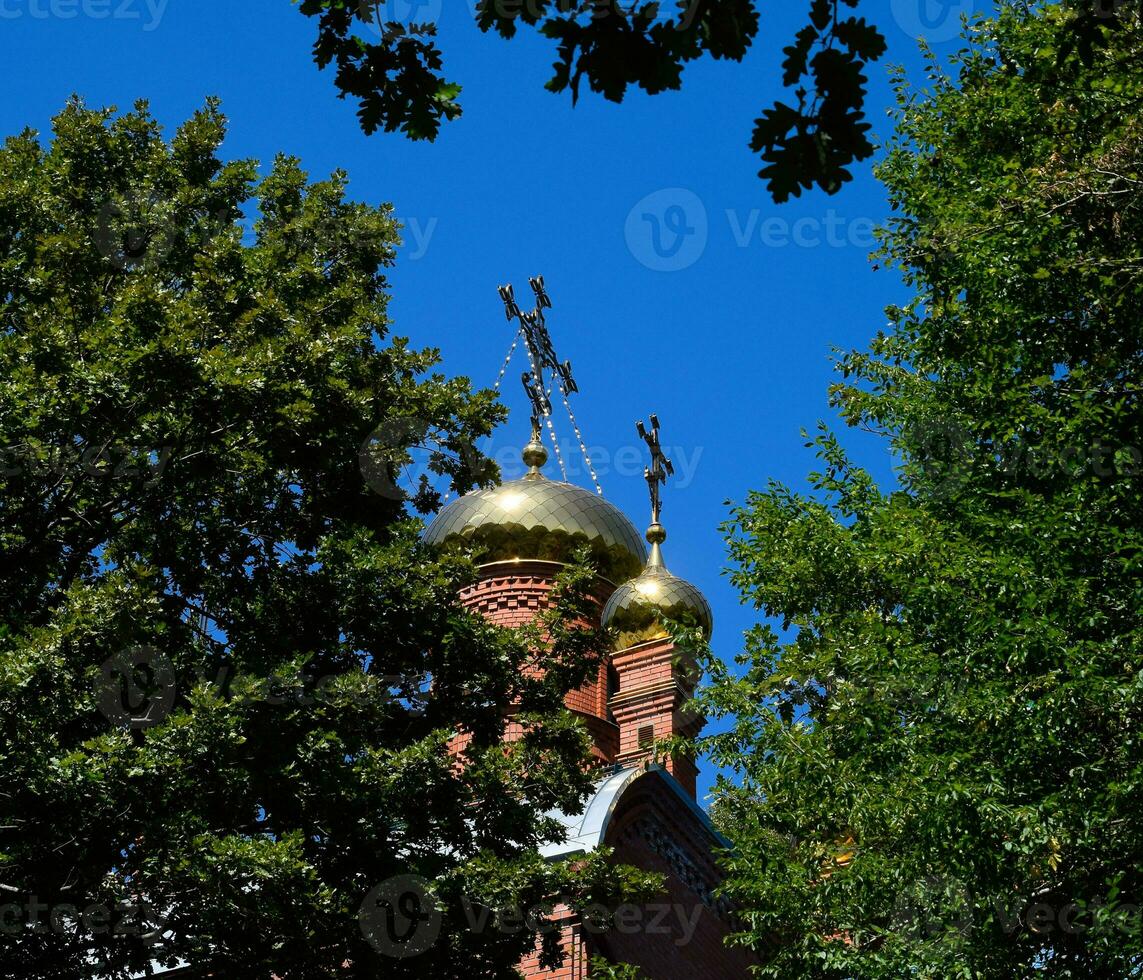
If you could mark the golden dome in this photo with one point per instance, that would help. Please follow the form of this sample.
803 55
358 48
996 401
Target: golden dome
636 609
540 518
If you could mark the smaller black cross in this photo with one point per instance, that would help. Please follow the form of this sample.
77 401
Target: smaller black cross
656 474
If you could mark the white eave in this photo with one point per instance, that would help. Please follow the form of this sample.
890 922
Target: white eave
586 831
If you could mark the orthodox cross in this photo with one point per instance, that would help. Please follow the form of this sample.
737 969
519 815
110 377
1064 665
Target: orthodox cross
656 474
541 353
547 370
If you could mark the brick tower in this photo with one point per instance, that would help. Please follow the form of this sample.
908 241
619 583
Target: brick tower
643 809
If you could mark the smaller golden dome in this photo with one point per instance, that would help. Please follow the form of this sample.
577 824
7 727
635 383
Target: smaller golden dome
637 609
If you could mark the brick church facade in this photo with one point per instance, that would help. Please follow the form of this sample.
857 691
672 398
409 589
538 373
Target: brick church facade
643 809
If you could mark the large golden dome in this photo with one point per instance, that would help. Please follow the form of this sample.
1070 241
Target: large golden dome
540 518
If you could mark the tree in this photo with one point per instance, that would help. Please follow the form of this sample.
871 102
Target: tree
229 670
391 66
940 763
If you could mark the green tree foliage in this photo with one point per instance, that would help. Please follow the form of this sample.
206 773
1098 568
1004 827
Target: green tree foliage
218 740
393 69
940 761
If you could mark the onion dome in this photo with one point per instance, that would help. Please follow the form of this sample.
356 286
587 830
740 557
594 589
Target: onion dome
638 608
538 518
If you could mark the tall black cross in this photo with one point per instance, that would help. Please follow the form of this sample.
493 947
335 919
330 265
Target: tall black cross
656 474
540 350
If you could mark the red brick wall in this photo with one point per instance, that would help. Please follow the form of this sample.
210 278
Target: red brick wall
577 956
651 696
514 594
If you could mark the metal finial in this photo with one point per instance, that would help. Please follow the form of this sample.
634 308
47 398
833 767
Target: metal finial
507 294
542 300
536 336
656 474
656 535
534 454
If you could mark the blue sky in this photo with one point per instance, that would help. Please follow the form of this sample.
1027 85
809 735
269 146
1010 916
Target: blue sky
678 286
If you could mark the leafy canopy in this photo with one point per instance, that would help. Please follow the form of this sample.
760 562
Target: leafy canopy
386 58
218 737
940 763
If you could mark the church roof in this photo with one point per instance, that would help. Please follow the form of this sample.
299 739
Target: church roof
587 831
535 517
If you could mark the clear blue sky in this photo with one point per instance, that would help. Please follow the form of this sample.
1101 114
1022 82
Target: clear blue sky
727 339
